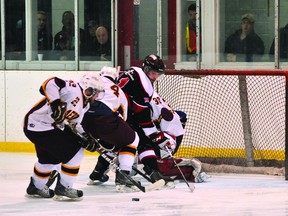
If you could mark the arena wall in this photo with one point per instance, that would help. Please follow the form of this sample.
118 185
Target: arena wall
19 91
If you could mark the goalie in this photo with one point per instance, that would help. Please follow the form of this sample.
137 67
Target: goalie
172 123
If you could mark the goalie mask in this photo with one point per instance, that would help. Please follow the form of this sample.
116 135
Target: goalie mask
91 84
110 72
153 63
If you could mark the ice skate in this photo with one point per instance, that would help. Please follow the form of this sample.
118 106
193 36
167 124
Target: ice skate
97 178
32 191
63 193
155 175
123 184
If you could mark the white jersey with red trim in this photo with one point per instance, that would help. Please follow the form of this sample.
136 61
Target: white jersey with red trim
114 98
39 117
168 120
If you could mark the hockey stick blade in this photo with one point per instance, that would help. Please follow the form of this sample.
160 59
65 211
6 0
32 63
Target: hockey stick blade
52 177
142 174
155 186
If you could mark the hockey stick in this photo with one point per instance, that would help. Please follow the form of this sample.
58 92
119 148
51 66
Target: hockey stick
136 170
154 186
142 174
191 187
53 175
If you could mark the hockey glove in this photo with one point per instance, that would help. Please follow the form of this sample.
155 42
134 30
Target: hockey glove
88 143
171 144
58 108
159 139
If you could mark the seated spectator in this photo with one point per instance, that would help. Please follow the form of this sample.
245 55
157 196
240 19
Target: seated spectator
20 39
16 42
91 42
283 43
63 51
244 45
44 37
68 31
103 50
90 32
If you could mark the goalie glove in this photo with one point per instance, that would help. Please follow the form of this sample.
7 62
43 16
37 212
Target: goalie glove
88 142
163 139
58 108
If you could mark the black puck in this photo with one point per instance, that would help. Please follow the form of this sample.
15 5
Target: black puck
135 199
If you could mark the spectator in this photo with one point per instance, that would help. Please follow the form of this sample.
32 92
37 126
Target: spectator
16 42
91 41
191 33
91 31
283 43
20 39
103 50
63 51
244 44
44 36
68 31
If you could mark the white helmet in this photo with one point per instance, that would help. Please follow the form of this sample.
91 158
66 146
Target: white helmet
93 82
109 72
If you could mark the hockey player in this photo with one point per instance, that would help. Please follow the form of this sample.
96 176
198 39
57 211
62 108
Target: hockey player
137 83
172 123
56 146
106 120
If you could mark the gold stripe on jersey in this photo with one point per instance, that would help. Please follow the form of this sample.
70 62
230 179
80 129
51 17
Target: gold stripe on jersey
130 149
120 109
40 174
70 170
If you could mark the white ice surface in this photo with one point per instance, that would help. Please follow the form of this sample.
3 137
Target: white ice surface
223 194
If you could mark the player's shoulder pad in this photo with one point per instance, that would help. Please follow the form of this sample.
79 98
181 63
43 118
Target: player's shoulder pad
129 73
167 115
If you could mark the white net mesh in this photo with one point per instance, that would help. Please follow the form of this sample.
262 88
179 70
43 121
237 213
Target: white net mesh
233 120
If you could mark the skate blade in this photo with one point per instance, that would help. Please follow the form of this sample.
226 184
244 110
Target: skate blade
36 196
125 189
65 198
96 182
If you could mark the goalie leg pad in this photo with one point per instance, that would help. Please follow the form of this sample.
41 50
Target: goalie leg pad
168 168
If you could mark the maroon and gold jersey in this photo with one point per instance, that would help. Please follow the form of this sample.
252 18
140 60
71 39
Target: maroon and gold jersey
39 117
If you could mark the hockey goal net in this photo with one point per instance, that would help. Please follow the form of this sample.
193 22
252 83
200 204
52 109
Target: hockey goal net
236 119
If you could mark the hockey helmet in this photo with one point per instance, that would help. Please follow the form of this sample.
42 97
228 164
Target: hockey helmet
91 83
109 72
154 63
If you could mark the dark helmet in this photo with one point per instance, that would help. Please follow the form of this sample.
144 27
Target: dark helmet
154 63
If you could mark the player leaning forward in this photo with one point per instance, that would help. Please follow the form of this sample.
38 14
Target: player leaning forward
106 120
172 123
56 146
137 84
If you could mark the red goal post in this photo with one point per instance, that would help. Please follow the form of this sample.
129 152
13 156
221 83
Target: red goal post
236 118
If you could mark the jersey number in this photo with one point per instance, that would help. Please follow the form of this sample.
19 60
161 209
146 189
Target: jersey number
115 90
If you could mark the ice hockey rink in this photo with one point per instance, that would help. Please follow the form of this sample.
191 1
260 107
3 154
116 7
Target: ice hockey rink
223 194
